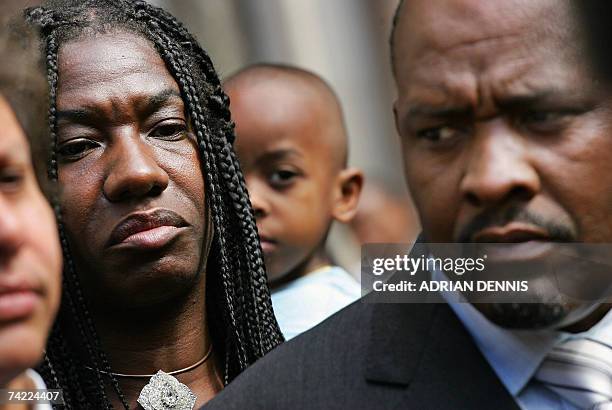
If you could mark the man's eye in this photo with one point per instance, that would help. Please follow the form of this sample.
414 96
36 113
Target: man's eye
169 131
11 179
282 177
544 121
540 116
76 149
438 134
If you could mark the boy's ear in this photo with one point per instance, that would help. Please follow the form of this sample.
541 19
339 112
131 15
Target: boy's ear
350 182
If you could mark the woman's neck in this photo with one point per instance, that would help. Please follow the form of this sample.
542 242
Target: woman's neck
167 337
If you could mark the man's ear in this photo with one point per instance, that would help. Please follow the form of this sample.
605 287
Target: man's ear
395 119
350 182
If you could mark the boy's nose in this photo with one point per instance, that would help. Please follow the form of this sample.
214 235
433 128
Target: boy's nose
260 206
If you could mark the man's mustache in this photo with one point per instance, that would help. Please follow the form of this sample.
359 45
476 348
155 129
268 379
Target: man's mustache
501 217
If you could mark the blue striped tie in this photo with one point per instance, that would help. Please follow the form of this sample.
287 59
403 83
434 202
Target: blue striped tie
580 371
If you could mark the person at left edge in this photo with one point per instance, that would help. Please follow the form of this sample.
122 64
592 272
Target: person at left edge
30 256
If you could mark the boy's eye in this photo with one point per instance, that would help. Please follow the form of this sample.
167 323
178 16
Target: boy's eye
76 148
169 131
282 177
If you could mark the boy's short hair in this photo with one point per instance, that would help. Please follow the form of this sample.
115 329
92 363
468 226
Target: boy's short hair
24 86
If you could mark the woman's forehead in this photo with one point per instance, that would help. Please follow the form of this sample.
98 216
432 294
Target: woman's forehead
107 65
109 54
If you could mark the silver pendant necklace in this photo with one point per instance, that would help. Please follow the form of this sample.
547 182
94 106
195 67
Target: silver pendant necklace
164 391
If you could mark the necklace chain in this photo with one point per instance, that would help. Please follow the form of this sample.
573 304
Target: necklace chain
143 376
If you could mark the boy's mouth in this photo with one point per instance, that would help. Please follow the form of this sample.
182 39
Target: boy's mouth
267 244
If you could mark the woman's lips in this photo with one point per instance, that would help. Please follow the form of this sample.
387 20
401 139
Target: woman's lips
152 238
18 304
147 230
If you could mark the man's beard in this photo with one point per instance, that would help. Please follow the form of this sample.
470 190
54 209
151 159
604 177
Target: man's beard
526 315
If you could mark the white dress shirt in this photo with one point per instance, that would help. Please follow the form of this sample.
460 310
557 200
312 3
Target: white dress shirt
39 384
515 355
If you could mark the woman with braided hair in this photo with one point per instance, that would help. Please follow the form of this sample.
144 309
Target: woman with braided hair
165 296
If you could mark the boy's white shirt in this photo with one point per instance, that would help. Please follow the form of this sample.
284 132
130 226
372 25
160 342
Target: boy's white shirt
305 302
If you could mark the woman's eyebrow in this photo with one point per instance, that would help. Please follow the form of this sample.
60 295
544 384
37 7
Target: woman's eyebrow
151 104
146 105
155 102
77 115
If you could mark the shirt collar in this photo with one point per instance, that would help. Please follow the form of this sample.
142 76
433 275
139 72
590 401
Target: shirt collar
601 332
513 355
36 379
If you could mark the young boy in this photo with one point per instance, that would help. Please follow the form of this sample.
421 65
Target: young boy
292 145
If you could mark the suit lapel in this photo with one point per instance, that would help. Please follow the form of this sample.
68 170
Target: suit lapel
396 340
426 349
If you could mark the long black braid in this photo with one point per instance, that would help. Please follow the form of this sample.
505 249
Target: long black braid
239 310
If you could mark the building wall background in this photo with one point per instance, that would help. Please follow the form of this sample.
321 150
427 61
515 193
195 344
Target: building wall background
343 41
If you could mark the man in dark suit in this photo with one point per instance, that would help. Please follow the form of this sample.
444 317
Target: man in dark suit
506 140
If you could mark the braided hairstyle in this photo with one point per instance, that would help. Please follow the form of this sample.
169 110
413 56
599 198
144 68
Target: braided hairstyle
241 320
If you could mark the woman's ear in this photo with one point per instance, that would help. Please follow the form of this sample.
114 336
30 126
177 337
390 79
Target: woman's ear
350 183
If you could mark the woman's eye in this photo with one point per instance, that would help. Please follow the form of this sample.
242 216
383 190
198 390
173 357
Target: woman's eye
76 149
282 177
170 132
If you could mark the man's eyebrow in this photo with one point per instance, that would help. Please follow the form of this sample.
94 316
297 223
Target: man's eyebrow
424 110
544 96
512 102
12 153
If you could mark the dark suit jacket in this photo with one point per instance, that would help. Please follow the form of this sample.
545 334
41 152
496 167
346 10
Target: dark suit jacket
373 356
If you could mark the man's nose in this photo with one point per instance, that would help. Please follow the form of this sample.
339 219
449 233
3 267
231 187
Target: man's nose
499 167
11 230
133 172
